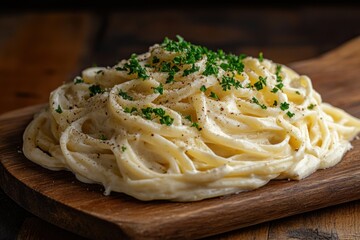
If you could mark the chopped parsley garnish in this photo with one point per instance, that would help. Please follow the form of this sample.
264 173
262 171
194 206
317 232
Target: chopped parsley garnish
290 114
167 120
254 100
103 137
171 70
177 60
100 72
297 92
279 86
193 124
147 112
188 53
165 67
155 60
125 96
214 96
311 106
95 89
261 83
159 89
191 70
275 103
123 148
227 82
249 86
128 110
196 125
203 88
58 110
284 106
261 57
210 69
274 90
78 80
277 73
171 76
157 112
133 67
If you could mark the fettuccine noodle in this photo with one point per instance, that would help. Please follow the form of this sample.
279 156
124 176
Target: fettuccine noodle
184 123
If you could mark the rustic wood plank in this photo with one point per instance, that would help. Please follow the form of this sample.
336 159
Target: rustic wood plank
88 212
340 222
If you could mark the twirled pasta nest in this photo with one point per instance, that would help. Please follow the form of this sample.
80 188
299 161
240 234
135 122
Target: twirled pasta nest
184 123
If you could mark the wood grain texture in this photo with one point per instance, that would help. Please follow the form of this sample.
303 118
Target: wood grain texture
85 210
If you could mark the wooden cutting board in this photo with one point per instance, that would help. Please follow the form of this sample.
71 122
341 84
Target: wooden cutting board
59 198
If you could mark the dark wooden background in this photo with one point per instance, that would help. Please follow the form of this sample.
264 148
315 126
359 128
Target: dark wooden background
41 46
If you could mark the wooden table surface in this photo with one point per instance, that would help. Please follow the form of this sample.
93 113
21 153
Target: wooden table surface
39 50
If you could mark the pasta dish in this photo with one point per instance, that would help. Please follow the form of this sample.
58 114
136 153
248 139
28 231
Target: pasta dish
184 123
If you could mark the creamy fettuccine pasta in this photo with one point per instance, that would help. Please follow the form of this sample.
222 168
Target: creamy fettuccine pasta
185 123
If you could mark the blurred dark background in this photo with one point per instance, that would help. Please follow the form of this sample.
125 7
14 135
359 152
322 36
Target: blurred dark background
285 32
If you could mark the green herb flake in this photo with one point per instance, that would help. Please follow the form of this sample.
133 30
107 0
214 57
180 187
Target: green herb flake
177 60
133 67
254 100
214 96
193 124
261 57
159 112
297 92
103 137
191 70
130 110
95 89
227 82
275 90
78 80
147 112
284 106
290 114
125 96
165 67
123 148
196 125
171 77
249 86
275 103
159 89
58 110
210 69
203 88
277 73
261 83
100 72
311 106
167 120
155 60
279 86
